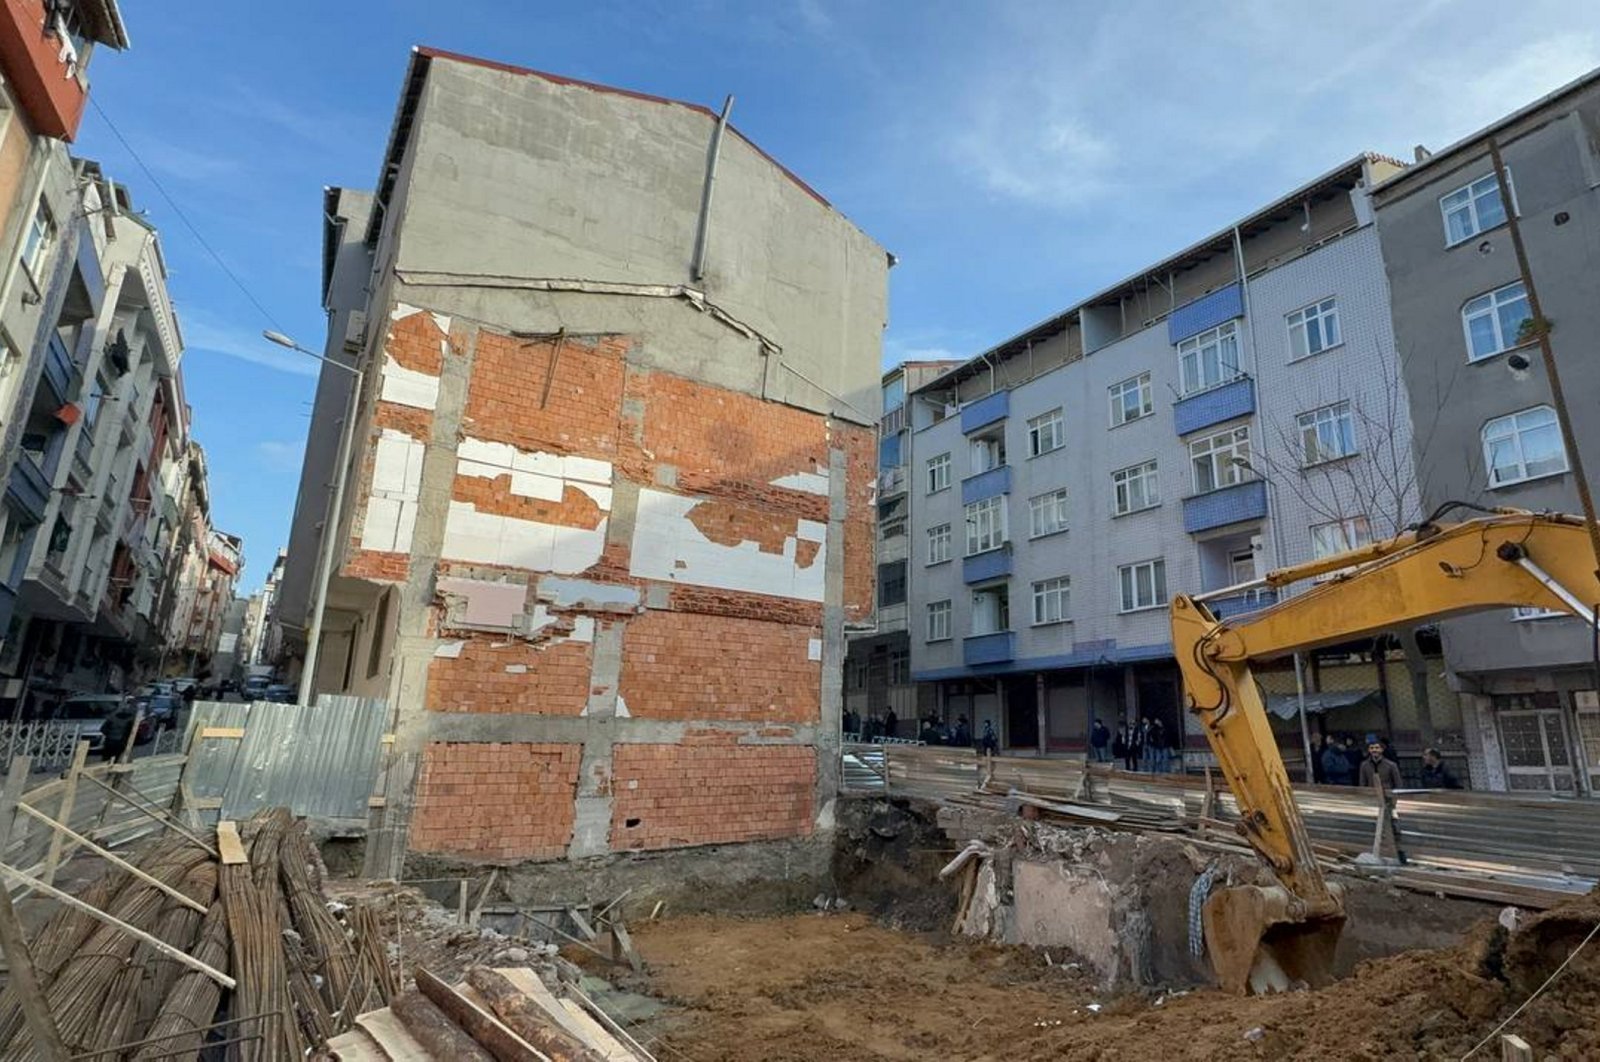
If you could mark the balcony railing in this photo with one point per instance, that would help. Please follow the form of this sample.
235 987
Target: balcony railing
982 567
1230 505
985 485
891 481
994 648
985 411
1215 405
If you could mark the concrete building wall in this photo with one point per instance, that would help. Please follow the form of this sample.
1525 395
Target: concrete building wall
615 535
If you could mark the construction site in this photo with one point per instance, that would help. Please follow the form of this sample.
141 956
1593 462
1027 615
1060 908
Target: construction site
592 512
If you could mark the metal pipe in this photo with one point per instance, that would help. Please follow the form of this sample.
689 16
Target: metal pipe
1541 329
330 533
1568 598
702 234
1305 729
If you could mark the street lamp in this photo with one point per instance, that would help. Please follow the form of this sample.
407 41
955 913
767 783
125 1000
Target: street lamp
330 523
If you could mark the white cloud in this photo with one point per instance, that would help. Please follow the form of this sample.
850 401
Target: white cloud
278 455
203 334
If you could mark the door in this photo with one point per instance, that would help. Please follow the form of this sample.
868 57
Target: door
1588 716
1534 744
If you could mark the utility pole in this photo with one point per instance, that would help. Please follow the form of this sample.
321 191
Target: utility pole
1541 331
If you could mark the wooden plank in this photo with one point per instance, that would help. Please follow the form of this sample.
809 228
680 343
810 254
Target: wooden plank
377 802
357 1045
595 1034
477 908
153 812
176 954
1514 1048
229 845
622 944
115 860
23 978
584 928
532 985
222 733
394 1041
479 1023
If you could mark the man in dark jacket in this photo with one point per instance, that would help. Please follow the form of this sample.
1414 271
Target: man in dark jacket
1435 775
1335 764
1099 739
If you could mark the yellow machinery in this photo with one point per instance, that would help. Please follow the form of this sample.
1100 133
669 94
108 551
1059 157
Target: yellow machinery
1266 938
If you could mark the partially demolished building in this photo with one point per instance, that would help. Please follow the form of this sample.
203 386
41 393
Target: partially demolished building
611 492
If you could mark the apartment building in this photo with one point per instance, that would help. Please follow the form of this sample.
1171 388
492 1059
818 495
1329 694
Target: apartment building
1487 430
878 661
1231 409
611 494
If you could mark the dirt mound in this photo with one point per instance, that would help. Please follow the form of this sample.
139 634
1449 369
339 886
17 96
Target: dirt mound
840 987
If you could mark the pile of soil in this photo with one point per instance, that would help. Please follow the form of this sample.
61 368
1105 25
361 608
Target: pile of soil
841 987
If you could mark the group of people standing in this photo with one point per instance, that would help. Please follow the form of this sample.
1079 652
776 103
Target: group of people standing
1140 746
1338 759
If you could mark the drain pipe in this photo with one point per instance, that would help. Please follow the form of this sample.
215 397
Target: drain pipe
698 269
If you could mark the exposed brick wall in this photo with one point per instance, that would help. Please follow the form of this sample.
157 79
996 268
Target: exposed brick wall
575 509
415 342
585 394
492 675
861 520
496 801
375 565
682 666
675 795
417 423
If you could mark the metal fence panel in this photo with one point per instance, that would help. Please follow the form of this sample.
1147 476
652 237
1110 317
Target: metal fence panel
317 761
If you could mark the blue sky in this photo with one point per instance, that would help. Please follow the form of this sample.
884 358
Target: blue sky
1015 156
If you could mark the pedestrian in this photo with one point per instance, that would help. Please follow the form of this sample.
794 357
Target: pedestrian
1159 753
891 724
1099 738
1319 773
1435 775
1146 750
1335 764
1379 768
962 738
1135 746
930 732
991 742
1121 750
1353 756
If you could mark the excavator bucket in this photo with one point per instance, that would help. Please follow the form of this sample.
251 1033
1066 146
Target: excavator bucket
1260 940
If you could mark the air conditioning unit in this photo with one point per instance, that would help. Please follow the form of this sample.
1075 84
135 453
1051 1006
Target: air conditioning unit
355 332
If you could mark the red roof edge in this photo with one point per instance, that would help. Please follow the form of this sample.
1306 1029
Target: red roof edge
558 79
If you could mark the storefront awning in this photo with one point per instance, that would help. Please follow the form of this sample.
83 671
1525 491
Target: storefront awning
1287 705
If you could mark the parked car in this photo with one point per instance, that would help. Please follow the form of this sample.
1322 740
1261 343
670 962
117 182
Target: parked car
278 693
160 706
104 720
255 687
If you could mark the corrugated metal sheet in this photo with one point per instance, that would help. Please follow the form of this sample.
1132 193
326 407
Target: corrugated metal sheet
1503 834
317 761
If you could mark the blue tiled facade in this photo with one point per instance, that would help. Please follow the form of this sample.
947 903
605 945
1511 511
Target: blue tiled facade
1230 505
978 415
1208 311
986 485
987 648
28 488
58 368
982 567
1236 399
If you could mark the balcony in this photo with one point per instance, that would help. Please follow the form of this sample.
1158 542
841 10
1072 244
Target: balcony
83 454
985 485
29 487
1205 408
1242 604
982 649
1207 311
891 482
1230 505
58 368
982 567
985 411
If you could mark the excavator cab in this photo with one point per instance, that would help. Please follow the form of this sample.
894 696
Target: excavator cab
1265 938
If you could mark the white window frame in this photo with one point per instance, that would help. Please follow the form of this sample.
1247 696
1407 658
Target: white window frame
1128 580
1352 532
1194 348
938 543
1147 476
1047 432
1052 601
987 452
938 467
41 236
986 525
1216 452
1321 317
1475 190
938 626
1489 305
1528 613
1047 513
1310 425
1508 427
1139 386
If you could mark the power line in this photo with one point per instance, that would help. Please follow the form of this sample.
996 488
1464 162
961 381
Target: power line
178 210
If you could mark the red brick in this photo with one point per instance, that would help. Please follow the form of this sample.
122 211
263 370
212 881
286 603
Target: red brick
496 801
678 665
678 795
555 680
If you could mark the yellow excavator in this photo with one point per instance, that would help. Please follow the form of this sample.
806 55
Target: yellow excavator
1266 938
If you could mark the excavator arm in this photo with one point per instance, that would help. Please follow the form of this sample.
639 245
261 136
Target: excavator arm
1269 937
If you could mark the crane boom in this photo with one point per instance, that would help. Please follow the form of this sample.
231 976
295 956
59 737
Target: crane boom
1508 559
